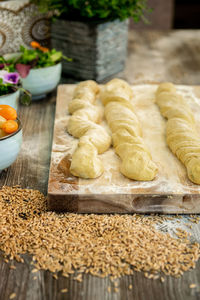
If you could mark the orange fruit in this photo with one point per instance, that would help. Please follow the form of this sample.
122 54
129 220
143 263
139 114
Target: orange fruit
44 49
35 44
10 126
8 112
2 120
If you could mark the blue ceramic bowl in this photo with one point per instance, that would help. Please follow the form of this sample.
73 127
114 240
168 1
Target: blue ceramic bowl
9 148
11 99
41 81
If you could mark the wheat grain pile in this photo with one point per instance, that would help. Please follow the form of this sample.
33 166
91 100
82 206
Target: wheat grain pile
102 245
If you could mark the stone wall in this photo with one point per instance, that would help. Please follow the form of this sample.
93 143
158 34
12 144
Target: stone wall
21 23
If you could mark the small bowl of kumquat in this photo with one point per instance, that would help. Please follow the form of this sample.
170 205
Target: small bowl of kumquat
10 136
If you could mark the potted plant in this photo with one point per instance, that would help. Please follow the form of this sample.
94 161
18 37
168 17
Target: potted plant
92 33
39 68
10 88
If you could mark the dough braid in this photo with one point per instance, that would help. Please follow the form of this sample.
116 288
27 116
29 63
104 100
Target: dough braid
137 163
182 136
93 138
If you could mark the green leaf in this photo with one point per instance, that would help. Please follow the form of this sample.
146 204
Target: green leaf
25 97
67 58
95 9
56 56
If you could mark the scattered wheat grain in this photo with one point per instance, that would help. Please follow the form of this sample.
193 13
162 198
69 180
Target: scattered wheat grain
192 286
64 290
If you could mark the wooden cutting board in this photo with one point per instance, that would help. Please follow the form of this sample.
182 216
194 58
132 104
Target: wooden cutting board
169 192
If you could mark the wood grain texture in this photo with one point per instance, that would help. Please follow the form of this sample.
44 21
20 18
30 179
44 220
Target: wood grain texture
169 192
153 56
44 287
31 168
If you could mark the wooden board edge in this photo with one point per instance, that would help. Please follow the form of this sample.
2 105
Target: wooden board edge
128 203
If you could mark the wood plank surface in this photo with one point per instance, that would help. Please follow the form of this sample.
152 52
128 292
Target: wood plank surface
153 56
170 192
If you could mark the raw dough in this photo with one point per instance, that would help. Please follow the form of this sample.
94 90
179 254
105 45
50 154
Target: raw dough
137 163
182 136
93 138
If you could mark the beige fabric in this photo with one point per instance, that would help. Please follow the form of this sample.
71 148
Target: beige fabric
181 134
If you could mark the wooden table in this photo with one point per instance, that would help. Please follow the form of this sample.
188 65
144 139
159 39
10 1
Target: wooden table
153 56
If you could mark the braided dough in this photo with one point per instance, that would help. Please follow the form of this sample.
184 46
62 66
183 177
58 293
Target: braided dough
137 163
93 138
182 136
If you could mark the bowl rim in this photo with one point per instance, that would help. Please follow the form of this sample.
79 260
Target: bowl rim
6 95
12 134
44 68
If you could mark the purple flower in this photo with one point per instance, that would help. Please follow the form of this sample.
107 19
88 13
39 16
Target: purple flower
11 78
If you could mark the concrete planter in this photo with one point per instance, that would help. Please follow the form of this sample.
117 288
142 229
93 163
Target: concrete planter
98 50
